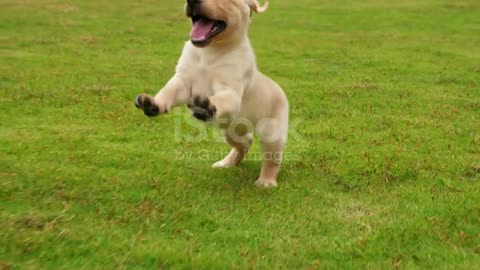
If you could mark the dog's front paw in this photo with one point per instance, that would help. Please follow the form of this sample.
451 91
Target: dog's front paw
202 108
147 104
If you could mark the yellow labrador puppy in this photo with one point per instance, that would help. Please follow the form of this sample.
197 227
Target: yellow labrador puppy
217 77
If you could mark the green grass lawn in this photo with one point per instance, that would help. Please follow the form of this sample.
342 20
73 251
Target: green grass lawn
383 172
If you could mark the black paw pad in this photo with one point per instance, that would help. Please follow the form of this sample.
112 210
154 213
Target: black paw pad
202 108
146 103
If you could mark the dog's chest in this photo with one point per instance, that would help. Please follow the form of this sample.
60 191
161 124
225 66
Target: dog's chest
202 79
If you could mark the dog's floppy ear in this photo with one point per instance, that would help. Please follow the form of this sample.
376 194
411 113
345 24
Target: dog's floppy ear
255 6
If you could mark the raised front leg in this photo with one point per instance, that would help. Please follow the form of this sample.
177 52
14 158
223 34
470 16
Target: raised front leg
174 94
202 108
224 103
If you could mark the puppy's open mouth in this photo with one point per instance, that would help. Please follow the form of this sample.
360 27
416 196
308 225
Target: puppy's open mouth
204 29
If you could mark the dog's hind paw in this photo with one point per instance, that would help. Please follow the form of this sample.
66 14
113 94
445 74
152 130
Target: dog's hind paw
220 164
147 104
202 108
223 164
266 183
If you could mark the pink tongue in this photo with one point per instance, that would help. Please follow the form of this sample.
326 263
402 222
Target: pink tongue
200 29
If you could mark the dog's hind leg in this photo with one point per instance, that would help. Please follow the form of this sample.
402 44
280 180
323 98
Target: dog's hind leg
273 137
240 144
272 158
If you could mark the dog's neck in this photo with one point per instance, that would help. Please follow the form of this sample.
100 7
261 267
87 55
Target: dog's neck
219 48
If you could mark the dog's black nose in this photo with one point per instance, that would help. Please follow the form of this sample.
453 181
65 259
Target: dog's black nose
193 2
